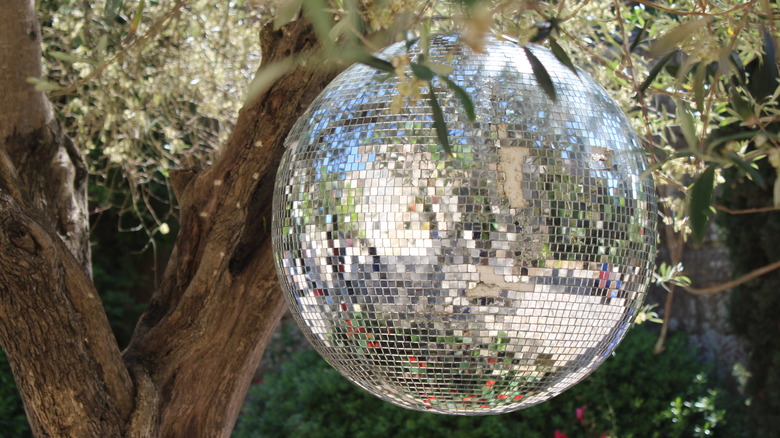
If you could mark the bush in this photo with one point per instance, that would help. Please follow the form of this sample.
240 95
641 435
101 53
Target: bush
634 394
13 421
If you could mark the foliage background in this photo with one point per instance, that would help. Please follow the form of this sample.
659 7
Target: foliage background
147 86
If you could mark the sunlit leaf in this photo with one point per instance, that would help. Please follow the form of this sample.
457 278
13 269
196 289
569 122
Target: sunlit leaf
286 12
749 170
320 18
425 38
465 99
541 74
438 121
43 85
777 193
561 55
699 203
113 7
138 16
687 125
341 28
439 69
266 77
656 70
69 58
675 36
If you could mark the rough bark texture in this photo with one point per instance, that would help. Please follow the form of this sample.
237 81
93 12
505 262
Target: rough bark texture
190 362
52 326
52 171
203 334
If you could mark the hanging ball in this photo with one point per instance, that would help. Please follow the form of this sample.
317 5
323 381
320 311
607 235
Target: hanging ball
477 282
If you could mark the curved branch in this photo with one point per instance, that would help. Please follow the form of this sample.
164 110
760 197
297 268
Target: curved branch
736 282
746 210
218 301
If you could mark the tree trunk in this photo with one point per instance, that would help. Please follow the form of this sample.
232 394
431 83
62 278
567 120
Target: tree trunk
191 359
204 331
52 326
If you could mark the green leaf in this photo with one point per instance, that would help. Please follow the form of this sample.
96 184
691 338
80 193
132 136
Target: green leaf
438 121
69 58
699 203
747 135
43 85
685 121
320 19
740 105
749 170
422 72
266 76
541 74
139 15
674 37
764 81
777 192
373 61
113 7
286 12
465 99
639 36
698 86
439 69
656 70
562 56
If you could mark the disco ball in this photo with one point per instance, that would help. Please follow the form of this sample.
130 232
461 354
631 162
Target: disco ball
480 282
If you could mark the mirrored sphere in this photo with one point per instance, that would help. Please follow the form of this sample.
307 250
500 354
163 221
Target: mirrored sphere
480 282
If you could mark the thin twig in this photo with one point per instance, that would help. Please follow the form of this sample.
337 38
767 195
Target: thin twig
734 283
618 73
576 10
630 62
701 14
711 93
675 240
745 211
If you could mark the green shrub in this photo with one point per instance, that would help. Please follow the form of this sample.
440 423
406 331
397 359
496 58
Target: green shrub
634 394
13 421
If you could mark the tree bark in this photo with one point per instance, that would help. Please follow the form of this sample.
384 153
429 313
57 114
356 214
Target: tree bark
51 169
203 334
194 351
53 329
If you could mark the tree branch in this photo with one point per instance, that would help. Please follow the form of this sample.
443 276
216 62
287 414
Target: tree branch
745 211
736 282
218 301
53 329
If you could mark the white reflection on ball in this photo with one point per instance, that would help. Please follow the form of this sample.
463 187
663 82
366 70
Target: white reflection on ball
478 283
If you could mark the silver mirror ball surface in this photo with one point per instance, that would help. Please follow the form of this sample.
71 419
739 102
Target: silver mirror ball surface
475 283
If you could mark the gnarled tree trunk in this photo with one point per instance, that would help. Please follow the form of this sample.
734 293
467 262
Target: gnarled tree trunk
191 359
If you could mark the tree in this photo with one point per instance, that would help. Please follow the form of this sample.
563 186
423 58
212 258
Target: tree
193 352
195 348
